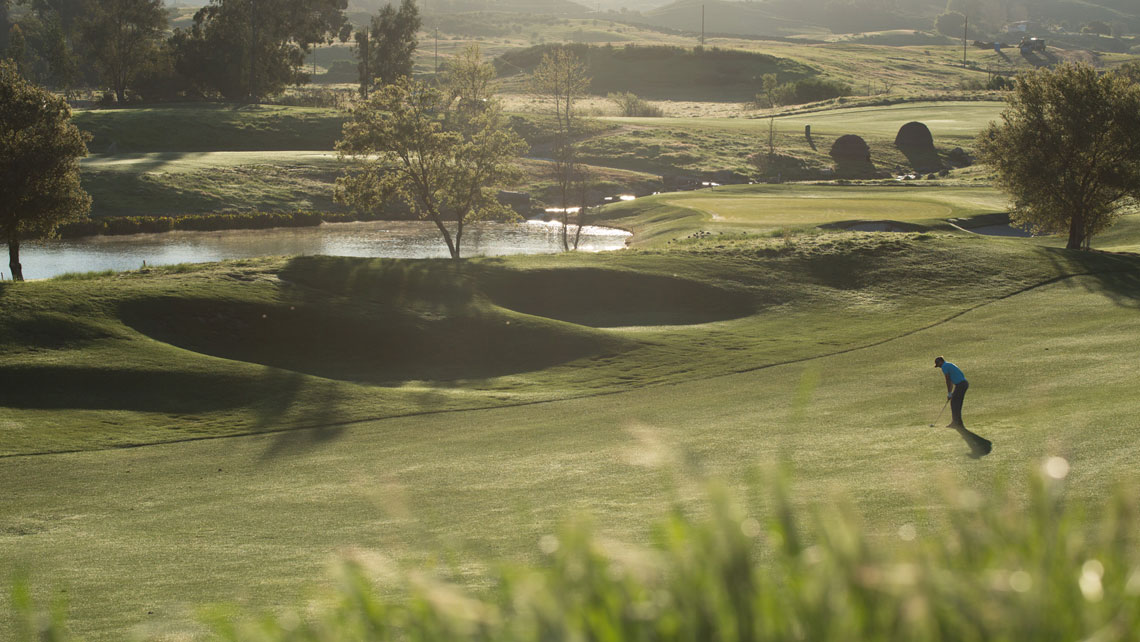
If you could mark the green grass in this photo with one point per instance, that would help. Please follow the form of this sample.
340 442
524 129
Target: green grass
210 127
812 349
177 183
759 209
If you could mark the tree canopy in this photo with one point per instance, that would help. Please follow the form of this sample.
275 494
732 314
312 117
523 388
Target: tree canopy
1067 149
122 35
439 151
247 49
386 47
561 79
39 164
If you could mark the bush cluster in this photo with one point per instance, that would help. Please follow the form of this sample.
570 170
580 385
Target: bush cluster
629 104
116 225
806 90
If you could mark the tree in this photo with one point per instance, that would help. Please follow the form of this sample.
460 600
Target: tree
1067 150
561 78
247 49
386 47
1130 71
39 164
16 47
1098 27
950 24
122 35
5 23
436 150
769 86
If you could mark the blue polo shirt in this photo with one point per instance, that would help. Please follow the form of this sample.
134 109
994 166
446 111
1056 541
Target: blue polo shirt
956 376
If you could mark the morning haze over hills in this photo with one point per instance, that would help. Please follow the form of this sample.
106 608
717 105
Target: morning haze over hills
551 320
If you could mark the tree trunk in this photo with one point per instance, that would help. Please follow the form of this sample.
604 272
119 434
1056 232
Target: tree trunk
458 238
14 260
1076 233
365 71
253 52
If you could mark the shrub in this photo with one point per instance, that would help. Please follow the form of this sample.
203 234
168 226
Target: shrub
993 83
998 566
806 90
950 24
630 105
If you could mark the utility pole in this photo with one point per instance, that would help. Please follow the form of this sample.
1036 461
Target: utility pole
965 28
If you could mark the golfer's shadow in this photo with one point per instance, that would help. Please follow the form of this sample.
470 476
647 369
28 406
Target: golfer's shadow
979 446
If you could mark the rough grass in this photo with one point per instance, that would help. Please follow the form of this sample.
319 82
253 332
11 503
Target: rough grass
177 183
210 127
703 145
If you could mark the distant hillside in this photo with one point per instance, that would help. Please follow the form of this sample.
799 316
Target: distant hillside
791 17
721 16
667 73
559 7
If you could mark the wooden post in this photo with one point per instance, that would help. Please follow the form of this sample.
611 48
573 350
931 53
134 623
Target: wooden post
965 28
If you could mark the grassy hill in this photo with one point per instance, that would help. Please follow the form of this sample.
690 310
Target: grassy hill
665 72
410 408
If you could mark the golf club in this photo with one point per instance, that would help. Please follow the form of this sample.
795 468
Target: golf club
940 412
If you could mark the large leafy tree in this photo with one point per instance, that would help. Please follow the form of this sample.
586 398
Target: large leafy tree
122 36
39 164
561 80
386 47
1067 149
440 151
247 49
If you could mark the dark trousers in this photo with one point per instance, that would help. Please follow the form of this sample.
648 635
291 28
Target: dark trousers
956 402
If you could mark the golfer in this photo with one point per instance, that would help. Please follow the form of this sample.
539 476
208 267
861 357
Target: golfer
956 386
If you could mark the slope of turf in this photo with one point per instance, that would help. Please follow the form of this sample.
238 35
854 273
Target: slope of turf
210 127
832 375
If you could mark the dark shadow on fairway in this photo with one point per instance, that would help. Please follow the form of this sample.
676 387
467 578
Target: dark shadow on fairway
52 388
144 162
314 419
1116 276
979 446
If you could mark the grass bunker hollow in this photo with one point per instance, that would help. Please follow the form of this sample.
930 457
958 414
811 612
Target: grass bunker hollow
614 298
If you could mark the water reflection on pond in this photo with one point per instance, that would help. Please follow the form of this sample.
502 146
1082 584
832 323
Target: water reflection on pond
389 239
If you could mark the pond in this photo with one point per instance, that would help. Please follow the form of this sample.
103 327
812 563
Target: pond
388 239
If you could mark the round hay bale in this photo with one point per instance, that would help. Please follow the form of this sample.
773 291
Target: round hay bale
915 135
850 148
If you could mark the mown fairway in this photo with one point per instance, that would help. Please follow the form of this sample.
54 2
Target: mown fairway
813 350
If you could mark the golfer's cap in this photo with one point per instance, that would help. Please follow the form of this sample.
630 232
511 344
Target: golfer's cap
938 361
